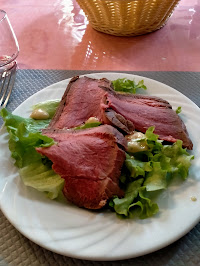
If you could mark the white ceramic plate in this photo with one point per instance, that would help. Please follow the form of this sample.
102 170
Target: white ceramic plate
68 230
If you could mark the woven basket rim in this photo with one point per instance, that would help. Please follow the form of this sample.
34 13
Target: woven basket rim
136 0
116 16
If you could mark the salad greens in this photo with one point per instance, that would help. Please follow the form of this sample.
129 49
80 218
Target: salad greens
144 171
41 177
148 171
178 110
126 85
25 136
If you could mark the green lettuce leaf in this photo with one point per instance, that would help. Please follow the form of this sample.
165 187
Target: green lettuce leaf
22 145
150 135
178 110
35 171
136 202
157 166
180 159
24 137
121 206
144 207
136 167
154 144
43 178
156 179
126 85
13 121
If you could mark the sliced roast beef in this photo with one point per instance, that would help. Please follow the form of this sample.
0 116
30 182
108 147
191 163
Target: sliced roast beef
90 161
145 111
81 100
84 98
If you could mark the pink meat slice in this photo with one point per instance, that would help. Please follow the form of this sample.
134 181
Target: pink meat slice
144 111
81 100
90 161
86 97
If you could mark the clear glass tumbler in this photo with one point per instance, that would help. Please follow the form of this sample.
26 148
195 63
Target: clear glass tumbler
9 48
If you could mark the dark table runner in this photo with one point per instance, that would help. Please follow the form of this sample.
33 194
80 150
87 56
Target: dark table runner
15 249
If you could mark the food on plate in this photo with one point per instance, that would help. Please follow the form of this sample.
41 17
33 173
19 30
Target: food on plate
47 109
86 97
89 161
136 142
81 100
102 146
144 111
39 114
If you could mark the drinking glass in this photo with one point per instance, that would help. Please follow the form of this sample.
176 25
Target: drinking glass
9 48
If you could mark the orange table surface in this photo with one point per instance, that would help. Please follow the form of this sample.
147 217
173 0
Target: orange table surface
55 34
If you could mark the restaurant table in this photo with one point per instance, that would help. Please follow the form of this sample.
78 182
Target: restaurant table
57 42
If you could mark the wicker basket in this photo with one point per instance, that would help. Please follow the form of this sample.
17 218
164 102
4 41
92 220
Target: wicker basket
127 17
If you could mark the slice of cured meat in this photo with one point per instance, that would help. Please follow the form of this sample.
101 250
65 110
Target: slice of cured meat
90 161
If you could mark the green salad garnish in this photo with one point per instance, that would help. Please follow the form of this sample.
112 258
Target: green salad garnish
148 171
25 136
127 85
178 110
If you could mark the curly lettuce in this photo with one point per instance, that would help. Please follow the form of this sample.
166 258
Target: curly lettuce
25 136
127 85
148 171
